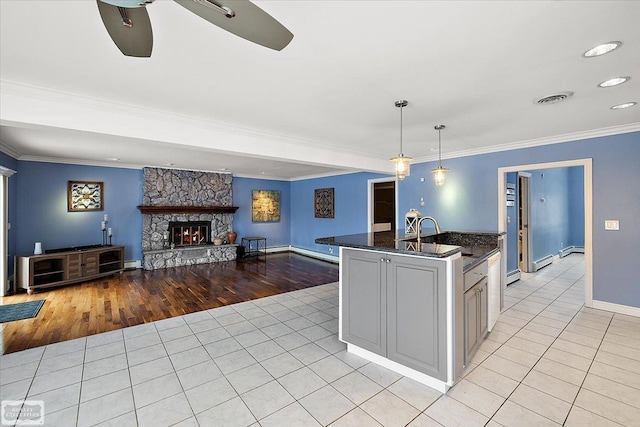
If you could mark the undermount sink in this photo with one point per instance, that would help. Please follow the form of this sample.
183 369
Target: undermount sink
446 238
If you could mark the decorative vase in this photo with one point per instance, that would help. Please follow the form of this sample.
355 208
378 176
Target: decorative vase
38 249
217 241
231 236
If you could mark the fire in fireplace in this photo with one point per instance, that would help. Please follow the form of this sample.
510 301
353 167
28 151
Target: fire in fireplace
190 233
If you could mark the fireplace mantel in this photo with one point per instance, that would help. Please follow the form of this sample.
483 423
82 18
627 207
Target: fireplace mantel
147 209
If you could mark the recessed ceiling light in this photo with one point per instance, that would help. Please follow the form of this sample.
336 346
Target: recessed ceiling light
224 169
169 164
113 159
614 81
623 106
601 49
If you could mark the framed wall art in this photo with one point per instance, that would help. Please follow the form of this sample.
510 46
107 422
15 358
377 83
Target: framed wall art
265 206
85 196
324 202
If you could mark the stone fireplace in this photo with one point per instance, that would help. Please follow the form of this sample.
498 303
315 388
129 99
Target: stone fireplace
189 209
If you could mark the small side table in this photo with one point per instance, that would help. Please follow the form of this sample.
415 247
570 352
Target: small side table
255 246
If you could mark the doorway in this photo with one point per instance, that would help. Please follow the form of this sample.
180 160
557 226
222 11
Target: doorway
587 172
524 215
383 198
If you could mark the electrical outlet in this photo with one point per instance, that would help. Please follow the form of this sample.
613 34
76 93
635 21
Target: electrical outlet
611 224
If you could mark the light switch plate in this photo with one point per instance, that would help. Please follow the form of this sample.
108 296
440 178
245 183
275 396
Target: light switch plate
611 224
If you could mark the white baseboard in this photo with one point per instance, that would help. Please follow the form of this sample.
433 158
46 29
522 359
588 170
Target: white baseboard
616 308
569 250
542 262
513 276
136 263
275 249
314 254
425 379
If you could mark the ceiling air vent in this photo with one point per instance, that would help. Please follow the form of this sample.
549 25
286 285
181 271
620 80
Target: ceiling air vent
554 99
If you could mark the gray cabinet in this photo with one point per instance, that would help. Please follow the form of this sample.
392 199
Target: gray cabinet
395 306
476 303
416 314
364 299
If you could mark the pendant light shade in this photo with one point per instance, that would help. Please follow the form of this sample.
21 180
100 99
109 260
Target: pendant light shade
439 173
402 162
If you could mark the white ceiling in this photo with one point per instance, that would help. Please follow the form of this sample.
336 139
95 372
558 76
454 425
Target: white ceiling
207 99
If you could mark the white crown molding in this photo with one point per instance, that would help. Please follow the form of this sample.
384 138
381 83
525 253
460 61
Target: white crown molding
64 161
9 151
558 139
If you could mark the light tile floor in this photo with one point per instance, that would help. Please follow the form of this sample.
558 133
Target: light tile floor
277 362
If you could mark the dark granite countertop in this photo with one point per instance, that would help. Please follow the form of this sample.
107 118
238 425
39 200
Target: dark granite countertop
474 247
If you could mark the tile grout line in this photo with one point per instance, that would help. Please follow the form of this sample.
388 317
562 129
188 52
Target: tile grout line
541 356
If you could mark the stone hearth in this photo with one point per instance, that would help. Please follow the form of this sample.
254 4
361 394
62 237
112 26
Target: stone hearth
182 189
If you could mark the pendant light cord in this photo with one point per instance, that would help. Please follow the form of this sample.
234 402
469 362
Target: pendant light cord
401 107
439 149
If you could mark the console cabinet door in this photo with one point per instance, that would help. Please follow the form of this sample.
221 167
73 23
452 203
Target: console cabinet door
364 299
90 263
74 266
416 314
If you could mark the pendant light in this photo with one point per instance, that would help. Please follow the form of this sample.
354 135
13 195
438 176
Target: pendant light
439 173
401 161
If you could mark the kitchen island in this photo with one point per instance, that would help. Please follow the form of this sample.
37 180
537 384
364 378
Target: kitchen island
418 306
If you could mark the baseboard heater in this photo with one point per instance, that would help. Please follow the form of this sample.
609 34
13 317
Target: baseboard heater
542 262
569 250
513 276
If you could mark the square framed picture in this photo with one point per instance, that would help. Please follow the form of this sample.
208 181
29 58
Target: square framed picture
265 206
324 203
85 196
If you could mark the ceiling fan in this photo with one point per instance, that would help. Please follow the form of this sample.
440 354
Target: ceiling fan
128 24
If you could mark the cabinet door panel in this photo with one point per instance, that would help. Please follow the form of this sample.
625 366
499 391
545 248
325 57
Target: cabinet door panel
74 266
416 304
483 303
470 323
364 300
90 261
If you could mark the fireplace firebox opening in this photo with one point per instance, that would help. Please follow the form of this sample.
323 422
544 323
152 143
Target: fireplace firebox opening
189 233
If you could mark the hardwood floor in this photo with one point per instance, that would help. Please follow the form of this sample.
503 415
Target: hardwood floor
139 296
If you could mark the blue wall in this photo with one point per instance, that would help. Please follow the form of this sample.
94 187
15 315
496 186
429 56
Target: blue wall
277 233
42 207
557 212
469 201
512 227
576 206
351 209
549 211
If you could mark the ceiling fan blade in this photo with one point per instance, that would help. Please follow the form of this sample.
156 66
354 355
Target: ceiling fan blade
129 28
242 18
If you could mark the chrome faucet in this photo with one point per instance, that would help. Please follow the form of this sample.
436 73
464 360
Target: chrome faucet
438 230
